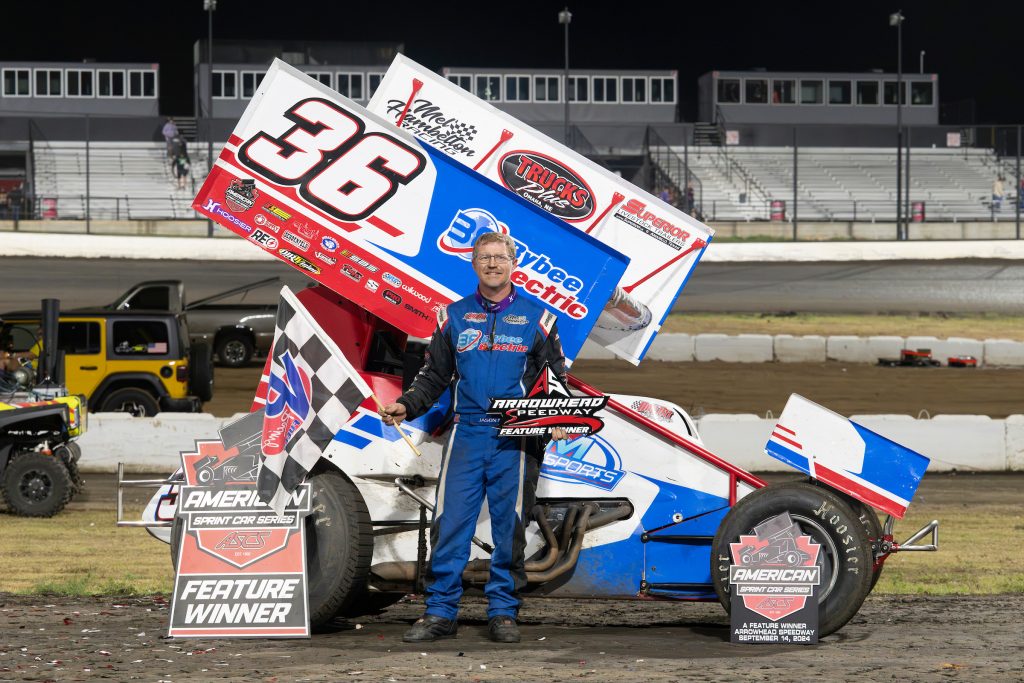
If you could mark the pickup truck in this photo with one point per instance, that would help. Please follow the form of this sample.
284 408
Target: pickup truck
235 332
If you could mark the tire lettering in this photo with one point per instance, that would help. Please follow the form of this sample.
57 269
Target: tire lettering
825 507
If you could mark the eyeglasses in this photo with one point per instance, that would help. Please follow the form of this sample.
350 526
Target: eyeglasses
500 259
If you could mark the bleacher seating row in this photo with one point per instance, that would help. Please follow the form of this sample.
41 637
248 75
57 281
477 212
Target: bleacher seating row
134 181
836 183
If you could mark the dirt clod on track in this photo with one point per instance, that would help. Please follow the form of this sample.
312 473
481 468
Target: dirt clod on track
892 638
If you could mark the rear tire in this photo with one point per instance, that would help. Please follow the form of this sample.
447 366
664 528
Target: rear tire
234 350
339 546
845 557
137 402
36 485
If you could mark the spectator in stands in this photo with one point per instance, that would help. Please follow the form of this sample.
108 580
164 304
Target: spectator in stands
1020 193
181 166
14 200
690 203
664 195
3 203
170 132
998 192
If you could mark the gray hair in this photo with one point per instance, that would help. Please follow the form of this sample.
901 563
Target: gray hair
491 237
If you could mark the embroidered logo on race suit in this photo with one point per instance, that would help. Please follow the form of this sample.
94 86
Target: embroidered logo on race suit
475 317
468 339
515 319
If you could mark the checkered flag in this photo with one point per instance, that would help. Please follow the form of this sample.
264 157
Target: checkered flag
466 131
312 391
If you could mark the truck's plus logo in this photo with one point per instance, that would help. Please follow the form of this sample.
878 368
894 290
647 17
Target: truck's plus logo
547 183
287 403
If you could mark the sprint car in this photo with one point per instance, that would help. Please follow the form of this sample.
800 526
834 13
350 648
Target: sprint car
642 510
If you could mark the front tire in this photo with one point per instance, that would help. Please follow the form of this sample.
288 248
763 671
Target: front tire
845 558
36 485
136 402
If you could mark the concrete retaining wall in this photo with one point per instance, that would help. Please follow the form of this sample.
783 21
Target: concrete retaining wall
785 348
960 442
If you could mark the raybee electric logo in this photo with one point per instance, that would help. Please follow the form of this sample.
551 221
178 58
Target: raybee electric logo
465 228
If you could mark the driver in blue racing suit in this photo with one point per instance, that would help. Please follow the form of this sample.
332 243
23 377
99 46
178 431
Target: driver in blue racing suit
489 345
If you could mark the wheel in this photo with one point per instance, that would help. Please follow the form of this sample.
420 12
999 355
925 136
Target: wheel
234 349
138 402
845 558
69 454
36 485
200 372
339 546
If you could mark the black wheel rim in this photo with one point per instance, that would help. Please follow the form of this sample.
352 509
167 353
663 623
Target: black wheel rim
234 352
35 486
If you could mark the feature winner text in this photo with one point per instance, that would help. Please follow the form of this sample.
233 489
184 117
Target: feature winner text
239 600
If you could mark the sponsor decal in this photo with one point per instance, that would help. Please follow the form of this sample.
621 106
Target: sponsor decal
329 260
547 183
296 240
428 122
265 222
465 228
511 319
329 243
415 311
242 568
288 406
306 230
215 208
371 285
277 211
653 411
588 460
299 261
535 271
241 194
264 239
391 297
774 576
548 405
359 261
391 279
351 272
475 317
468 339
635 214
416 293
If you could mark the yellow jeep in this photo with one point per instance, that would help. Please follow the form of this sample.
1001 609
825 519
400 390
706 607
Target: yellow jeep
138 362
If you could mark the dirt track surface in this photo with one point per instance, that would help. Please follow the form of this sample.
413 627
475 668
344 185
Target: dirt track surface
901 638
716 387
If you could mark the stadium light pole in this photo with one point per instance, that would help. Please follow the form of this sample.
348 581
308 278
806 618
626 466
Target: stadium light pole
564 18
209 6
897 21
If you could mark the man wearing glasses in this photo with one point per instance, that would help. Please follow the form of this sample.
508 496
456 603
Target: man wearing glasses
491 344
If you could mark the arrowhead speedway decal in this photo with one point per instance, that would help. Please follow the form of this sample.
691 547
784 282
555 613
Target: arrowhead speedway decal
548 405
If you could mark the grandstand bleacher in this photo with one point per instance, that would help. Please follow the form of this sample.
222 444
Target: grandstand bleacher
844 183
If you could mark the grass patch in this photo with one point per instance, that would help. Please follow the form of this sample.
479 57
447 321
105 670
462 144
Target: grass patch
81 552
942 326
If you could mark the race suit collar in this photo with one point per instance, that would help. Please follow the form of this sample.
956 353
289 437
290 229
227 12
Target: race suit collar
495 306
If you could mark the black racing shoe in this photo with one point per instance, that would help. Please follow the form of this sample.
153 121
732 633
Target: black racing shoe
503 629
430 627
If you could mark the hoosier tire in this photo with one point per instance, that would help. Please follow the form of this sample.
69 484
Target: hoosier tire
36 485
339 546
845 557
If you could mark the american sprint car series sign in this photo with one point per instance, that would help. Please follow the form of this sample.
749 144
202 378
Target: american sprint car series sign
384 220
663 243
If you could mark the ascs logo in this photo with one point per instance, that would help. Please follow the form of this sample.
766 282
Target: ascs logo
586 460
464 230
